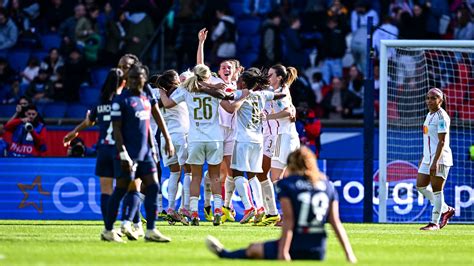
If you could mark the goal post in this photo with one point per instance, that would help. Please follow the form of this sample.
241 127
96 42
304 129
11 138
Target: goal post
408 69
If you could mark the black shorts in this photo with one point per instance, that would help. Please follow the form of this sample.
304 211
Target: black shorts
104 166
143 169
270 252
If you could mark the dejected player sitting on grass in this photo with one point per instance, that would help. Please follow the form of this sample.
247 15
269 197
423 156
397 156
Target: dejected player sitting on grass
308 200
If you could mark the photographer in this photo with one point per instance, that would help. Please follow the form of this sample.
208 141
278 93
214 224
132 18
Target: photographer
21 106
28 134
77 148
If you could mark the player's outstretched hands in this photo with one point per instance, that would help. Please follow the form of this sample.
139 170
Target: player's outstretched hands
70 136
202 35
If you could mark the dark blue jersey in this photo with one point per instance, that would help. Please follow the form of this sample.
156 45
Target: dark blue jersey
135 113
310 210
101 115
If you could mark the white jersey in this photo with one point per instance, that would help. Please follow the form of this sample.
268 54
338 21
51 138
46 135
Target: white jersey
249 121
270 127
176 117
285 125
203 115
437 122
153 124
225 119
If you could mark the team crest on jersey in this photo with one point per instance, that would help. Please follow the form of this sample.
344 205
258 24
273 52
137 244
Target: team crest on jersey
115 106
442 125
425 130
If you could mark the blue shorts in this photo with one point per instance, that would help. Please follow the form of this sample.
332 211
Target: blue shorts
143 169
104 166
270 252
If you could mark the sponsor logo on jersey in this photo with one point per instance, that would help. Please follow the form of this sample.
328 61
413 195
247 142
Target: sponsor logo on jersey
142 115
442 125
115 106
425 129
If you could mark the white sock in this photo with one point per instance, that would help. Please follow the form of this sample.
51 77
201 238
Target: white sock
269 197
439 206
217 202
427 192
193 203
160 203
242 187
173 189
186 189
256 192
207 190
229 186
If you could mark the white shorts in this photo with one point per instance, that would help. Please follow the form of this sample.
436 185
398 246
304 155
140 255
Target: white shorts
229 136
247 157
269 145
285 144
157 148
443 170
180 147
211 151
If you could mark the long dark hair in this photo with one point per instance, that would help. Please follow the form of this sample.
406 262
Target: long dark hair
167 81
254 78
288 74
112 82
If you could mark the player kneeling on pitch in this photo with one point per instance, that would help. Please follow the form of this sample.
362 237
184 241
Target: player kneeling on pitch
308 200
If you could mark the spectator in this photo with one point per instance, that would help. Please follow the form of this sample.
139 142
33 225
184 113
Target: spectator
75 74
3 142
257 7
114 38
310 129
30 72
7 76
86 26
339 102
412 27
437 12
13 92
8 31
224 36
139 30
56 90
359 18
301 92
340 12
295 54
55 13
28 135
67 29
52 63
465 28
37 89
355 84
333 48
386 31
270 47
314 15
317 86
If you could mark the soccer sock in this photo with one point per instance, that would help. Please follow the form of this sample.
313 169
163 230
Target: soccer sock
133 202
242 187
126 205
159 203
193 203
237 254
438 200
427 192
151 205
207 190
136 217
186 189
104 200
173 189
113 206
217 203
256 192
269 197
229 190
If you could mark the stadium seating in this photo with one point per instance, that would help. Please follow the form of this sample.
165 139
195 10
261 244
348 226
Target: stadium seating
49 41
89 96
98 76
55 110
7 110
248 44
248 26
248 59
236 9
18 59
76 111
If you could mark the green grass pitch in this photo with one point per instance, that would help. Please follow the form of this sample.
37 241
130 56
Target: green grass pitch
77 242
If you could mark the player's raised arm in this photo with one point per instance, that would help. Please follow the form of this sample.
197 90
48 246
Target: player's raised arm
75 132
202 35
340 231
165 100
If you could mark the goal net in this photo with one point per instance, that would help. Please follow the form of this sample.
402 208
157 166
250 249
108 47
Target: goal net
408 69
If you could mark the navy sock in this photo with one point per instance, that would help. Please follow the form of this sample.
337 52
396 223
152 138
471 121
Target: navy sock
237 254
126 206
104 200
139 199
151 205
133 205
113 206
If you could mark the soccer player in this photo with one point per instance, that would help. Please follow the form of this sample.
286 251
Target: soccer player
308 199
226 75
205 139
436 161
131 112
106 151
177 121
287 139
248 149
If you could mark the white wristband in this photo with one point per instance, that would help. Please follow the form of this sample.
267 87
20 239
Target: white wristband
124 156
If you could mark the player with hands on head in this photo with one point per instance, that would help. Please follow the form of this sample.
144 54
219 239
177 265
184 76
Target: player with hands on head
436 161
308 200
